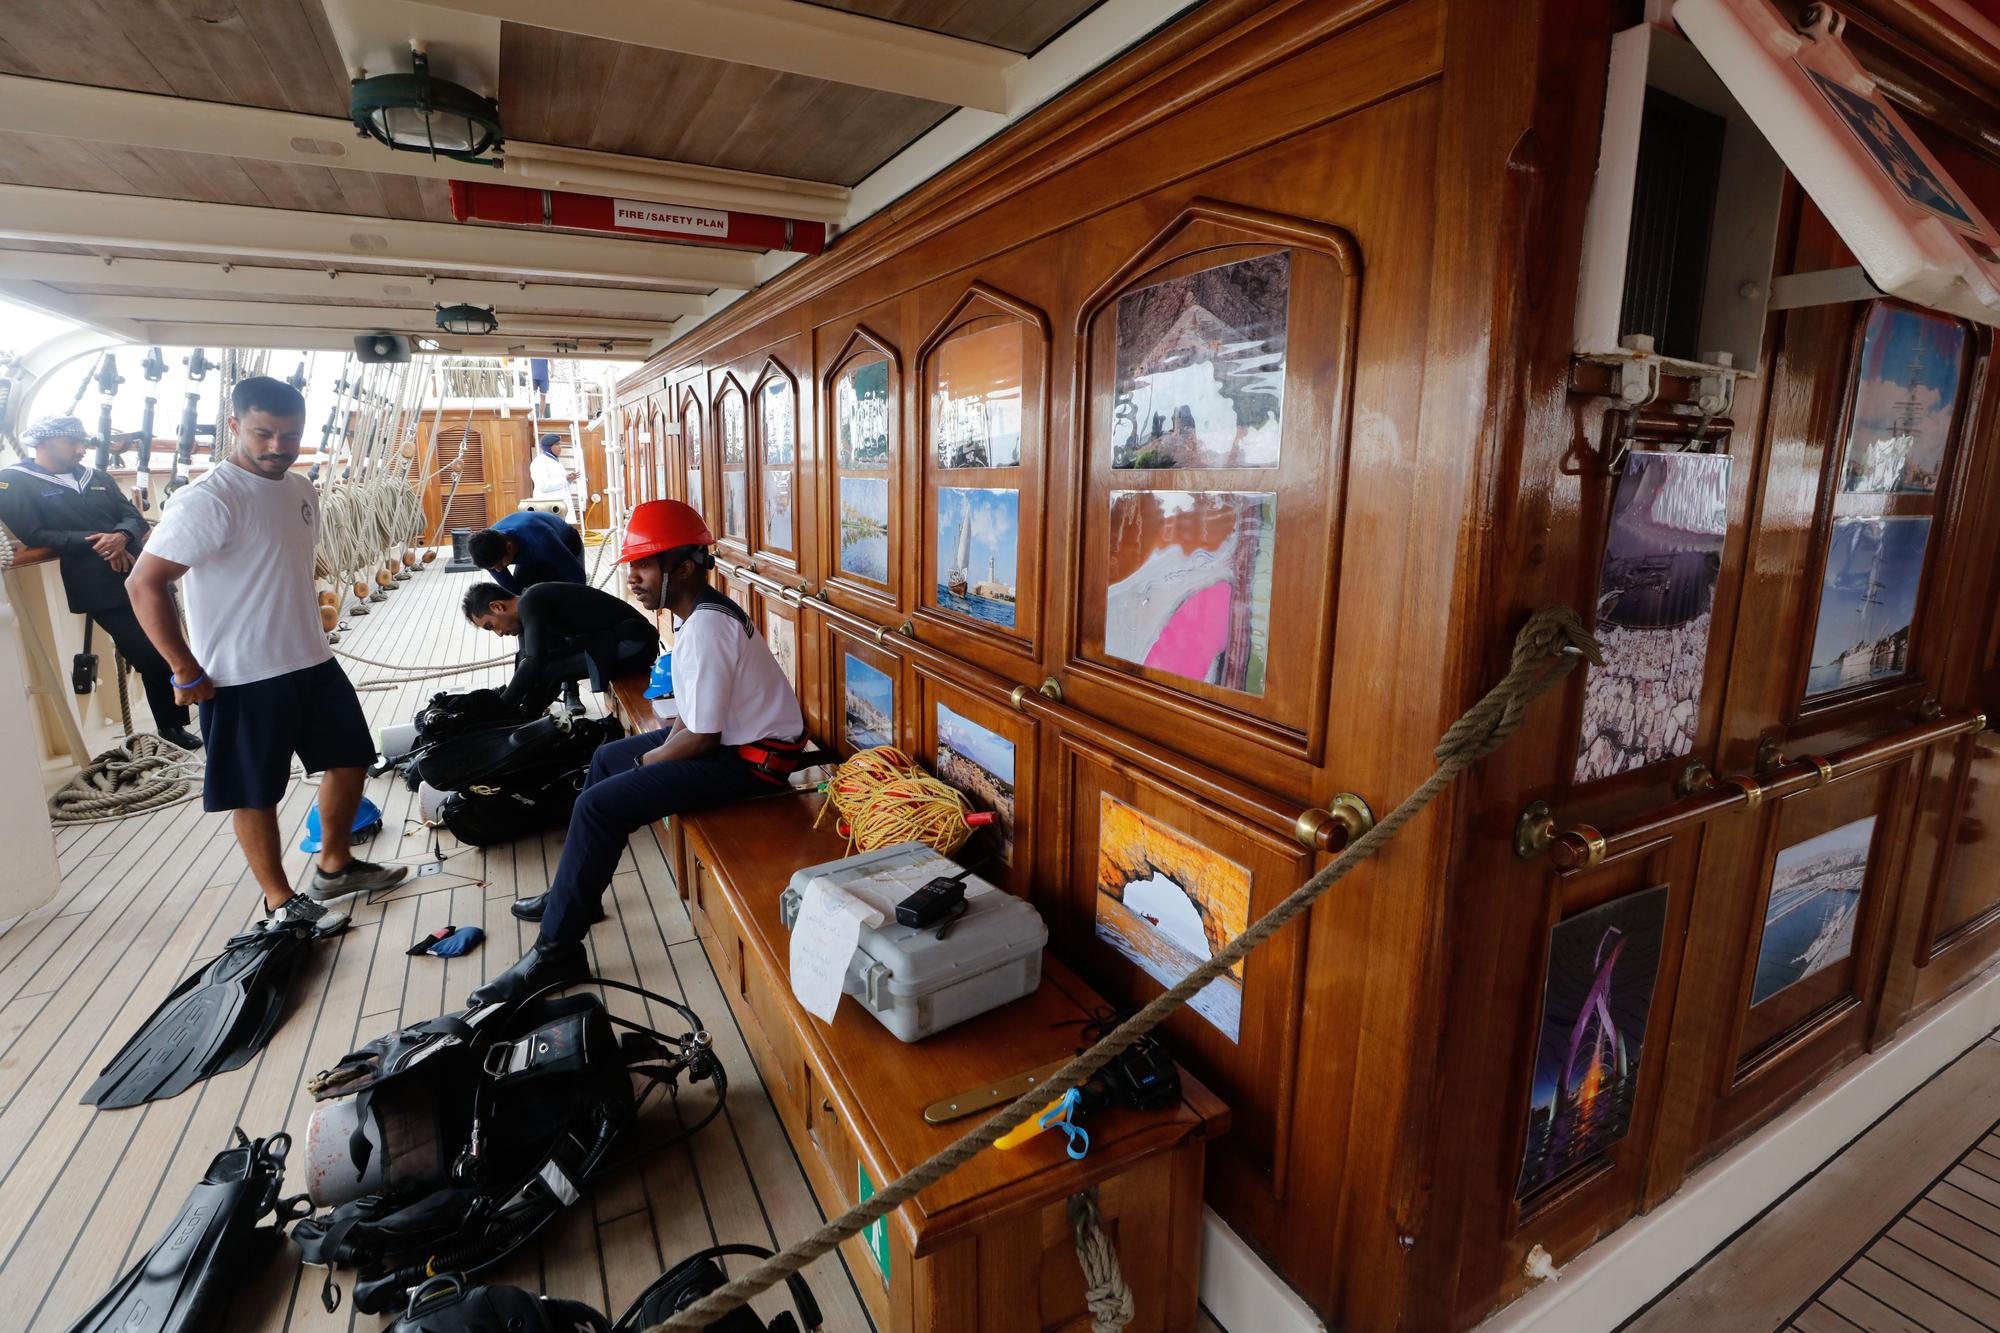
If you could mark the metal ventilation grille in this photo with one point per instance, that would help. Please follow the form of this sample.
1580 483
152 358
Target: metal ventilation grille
468 508
1673 209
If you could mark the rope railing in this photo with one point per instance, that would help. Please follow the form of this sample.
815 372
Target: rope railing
1546 650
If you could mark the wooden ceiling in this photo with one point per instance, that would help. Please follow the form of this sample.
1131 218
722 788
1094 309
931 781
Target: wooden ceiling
583 92
278 54
1015 25
162 173
789 115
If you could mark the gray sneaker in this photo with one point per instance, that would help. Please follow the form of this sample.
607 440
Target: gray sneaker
358 877
299 910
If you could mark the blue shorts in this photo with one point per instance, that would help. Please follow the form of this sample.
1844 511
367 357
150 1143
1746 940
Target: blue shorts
252 731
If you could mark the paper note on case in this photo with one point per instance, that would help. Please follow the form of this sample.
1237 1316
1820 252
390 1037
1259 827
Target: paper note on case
824 939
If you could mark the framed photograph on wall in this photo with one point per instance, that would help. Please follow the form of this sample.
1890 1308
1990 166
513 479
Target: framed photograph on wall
1811 906
863 430
1882 500
776 426
982 397
868 699
691 451
1149 884
1655 602
1596 1002
732 433
977 744
1215 364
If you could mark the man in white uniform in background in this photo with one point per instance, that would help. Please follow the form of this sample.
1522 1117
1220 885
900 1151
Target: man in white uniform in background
259 665
546 471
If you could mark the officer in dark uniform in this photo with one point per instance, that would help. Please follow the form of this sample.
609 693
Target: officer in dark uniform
60 502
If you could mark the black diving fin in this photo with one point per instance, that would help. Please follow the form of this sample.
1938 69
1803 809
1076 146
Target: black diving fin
213 1021
182 1284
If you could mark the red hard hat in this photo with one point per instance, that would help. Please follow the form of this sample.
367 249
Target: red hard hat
662 525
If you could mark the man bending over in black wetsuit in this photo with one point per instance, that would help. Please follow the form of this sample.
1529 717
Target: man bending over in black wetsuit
564 629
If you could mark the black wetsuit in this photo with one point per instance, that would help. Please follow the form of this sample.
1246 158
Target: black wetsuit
42 511
565 628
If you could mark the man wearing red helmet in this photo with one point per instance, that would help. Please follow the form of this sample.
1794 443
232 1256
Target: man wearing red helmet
738 734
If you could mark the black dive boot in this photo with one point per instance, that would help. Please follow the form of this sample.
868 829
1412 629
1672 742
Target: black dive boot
546 964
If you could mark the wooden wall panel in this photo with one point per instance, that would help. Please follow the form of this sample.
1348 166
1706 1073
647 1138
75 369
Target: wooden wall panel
860 553
1444 150
1317 146
985 329
1276 694
1158 831
1730 1064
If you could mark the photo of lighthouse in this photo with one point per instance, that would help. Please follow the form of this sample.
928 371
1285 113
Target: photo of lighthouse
978 537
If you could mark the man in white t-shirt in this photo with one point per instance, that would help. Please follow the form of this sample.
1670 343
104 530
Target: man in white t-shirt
259 666
739 734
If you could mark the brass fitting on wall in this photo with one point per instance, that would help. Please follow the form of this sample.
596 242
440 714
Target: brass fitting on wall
1338 826
1534 830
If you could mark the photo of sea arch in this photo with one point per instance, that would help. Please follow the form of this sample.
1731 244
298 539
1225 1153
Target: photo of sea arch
1167 903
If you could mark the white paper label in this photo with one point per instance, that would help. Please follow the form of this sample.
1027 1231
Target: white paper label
670 217
823 943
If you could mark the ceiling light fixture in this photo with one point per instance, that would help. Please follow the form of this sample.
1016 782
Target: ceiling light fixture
417 113
467 320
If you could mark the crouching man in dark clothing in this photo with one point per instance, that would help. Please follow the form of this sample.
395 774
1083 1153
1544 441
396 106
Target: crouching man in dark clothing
60 502
524 549
565 629
739 734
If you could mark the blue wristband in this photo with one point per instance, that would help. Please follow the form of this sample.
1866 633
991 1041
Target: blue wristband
186 684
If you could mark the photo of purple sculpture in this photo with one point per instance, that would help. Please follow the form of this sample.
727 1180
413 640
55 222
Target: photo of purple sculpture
1655 597
1602 967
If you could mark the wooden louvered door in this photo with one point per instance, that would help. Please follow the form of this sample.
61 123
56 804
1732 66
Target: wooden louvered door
457 451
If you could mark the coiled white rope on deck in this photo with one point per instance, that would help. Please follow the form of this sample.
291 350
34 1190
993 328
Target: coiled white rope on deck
143 773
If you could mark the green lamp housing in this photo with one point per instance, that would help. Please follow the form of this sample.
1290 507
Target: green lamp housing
415 113
467 320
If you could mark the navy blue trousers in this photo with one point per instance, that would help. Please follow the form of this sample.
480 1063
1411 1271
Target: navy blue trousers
618 799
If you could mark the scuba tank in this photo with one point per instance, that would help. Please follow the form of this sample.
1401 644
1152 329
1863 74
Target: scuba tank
463 1136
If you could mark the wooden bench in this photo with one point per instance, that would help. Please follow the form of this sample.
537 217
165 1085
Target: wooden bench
990 1248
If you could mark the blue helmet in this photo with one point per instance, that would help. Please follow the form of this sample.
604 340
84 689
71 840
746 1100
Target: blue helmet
661 683
367 819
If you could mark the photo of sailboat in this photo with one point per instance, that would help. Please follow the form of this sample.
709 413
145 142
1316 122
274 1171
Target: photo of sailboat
978 533
955 577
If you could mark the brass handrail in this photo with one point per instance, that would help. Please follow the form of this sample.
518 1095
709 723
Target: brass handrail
1580 846
1320 829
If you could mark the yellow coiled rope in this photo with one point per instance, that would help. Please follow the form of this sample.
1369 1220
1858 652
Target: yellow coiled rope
883 797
